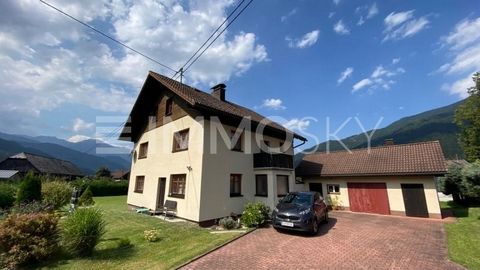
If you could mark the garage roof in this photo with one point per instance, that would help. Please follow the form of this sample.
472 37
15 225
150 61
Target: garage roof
422 158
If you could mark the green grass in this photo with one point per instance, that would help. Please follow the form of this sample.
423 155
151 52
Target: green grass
179 241
464 235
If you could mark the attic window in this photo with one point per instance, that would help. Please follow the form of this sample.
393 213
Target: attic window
169 107
143 150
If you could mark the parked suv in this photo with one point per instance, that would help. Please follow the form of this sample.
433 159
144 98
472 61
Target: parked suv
301 211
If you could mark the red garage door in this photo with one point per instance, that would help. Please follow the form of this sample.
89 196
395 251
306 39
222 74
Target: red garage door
368 197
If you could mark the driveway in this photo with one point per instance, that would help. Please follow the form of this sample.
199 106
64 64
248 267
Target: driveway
348 241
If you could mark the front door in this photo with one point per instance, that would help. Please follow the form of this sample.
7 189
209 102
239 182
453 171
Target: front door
414 200
316 187
162 182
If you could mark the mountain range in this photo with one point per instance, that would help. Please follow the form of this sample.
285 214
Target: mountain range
82 154
436 124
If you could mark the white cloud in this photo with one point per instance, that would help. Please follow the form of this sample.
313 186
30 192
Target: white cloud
463 44
331 14
296 124
81 125
292 12
372 11
465 33
305 41
366 12
380 77
78 138
336 2
395 61
340 28
49 61
273 103
403 25
361 84
345 74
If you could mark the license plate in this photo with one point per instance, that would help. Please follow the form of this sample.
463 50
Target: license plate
286 224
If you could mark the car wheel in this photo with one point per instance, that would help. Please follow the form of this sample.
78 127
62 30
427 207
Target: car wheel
325 218
314 227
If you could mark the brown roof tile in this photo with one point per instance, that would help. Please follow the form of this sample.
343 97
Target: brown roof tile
202 100
423 158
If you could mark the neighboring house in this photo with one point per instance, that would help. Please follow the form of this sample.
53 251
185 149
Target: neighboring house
182 153
9 175
121 175
390 179
25 162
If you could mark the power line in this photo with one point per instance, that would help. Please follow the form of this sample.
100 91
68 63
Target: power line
233 20
180 70
107 36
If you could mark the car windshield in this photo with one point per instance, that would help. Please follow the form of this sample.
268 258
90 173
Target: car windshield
298 198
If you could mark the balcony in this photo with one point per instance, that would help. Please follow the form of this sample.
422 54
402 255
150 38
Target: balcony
268 160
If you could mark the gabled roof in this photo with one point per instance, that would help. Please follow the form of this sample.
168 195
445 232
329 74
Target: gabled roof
422 158
203 101
49 165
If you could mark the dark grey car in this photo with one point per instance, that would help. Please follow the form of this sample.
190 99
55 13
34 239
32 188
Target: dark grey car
301 211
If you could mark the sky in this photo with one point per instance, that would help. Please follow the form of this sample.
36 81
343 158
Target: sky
324 68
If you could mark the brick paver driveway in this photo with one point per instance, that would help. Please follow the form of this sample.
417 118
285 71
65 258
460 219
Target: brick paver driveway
348 241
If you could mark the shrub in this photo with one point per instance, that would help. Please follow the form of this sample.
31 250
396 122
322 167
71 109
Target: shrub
255 214
56 193
27 238
7 196
30 189
82 231
103 186
31 208
471 180
151 235
124 243
103 172
228 223
86 198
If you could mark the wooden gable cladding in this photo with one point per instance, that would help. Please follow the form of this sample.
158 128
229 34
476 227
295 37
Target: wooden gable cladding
155 105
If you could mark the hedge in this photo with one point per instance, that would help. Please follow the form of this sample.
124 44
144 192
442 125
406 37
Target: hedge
103 186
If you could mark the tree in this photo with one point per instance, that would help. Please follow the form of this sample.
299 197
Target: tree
452 182
86 198
103 172
30 189
471 180
467 117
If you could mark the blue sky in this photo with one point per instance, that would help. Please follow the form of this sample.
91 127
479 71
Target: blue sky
285 59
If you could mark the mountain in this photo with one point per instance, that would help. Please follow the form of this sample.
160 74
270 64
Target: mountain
82 154
436 124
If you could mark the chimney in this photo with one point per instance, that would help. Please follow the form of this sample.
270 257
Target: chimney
218 91
389 142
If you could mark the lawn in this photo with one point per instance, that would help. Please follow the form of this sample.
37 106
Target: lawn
464 235
179 243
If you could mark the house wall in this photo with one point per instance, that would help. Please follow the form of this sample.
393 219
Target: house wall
217 168
394 190
162 162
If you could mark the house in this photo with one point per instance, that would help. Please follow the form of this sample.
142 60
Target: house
206 153
121 175
9 175
25 162
390 179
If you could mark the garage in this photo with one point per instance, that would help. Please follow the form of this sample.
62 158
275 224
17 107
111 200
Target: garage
368 198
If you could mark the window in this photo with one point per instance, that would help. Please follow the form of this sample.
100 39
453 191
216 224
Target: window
152 118
261 185
169 107
282 185
177 185
139 182
235 185
238 143
180 140
333 188
143 150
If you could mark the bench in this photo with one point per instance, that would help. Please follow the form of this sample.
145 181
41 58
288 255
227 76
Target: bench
170 207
